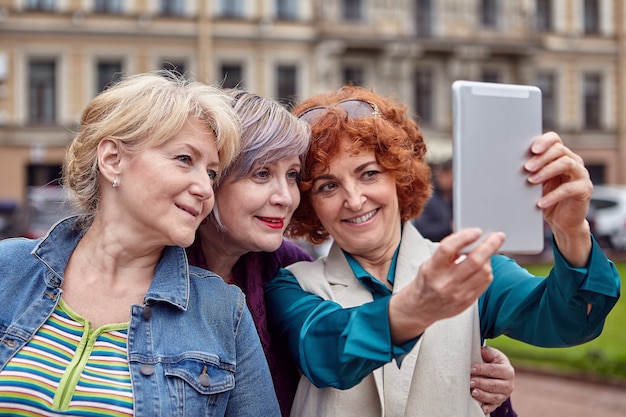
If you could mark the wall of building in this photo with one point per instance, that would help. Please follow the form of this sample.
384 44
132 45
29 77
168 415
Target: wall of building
388 44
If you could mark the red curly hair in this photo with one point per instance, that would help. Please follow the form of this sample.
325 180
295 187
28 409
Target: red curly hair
393 136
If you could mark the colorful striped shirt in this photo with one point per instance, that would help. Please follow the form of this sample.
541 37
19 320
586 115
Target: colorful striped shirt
68 369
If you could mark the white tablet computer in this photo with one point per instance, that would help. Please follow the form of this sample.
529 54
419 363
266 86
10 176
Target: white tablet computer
493 128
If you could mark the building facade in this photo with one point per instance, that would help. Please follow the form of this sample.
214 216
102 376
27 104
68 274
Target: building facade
55 55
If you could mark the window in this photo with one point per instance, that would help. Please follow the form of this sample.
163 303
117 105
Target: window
424 95
592 100
597 172
232 76
40 175
108 72
173 7
286 77
42 91
108 6
231 8
592 16
543 19
287 9
546 83
490 76
352 10
353 75
423 17
489 13
41 5
178 67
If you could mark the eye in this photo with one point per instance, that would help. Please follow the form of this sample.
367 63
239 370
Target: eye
212 174
371 174
185 159
326 187
293 176
261 174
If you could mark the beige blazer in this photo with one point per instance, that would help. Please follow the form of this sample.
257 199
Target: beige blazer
434 378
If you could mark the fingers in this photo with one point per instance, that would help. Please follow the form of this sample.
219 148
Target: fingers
566 184
493 355
552 159
492 382
488 400
455 279
446 284
451 247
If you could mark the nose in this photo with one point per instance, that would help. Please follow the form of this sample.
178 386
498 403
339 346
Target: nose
354 198
282 192
202 186
281 195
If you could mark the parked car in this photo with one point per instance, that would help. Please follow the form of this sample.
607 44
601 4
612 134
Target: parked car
44 206
608 215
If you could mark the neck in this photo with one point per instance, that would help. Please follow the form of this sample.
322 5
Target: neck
220 256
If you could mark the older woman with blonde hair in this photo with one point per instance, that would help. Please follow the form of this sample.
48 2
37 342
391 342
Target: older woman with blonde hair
104 316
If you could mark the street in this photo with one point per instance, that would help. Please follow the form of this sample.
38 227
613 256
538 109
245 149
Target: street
537 395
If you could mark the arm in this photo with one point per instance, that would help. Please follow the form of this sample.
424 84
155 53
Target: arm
357 340
570 305
354 341
552 311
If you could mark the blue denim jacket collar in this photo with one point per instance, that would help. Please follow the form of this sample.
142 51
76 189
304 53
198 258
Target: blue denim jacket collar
171 276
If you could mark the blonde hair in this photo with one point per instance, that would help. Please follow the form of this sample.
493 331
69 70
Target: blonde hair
144 110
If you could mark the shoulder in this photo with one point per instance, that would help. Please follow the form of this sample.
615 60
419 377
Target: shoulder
18 243
210 285
290 253
16 250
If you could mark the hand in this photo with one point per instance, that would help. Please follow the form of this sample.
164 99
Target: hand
567 191
446 284
492 382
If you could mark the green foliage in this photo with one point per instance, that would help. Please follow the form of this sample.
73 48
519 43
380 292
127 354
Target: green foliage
603 358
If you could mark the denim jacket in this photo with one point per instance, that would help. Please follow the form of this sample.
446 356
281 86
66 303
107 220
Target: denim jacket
192 346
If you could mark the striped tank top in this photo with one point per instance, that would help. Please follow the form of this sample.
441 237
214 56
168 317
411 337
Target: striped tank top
68 369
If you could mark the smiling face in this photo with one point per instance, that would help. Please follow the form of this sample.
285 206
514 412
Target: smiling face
256 209
356 202
166 191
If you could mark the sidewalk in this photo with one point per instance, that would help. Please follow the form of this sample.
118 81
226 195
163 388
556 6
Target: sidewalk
538 395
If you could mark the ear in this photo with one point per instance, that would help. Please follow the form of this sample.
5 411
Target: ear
109 159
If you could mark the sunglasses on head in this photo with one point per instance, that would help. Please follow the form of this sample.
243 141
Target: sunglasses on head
353 107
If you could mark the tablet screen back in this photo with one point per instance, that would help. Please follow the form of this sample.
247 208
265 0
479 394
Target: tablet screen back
493 128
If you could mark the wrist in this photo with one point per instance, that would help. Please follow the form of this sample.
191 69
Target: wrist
404 323
574 244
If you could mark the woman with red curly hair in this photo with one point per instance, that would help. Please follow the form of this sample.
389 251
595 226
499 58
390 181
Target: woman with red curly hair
385 293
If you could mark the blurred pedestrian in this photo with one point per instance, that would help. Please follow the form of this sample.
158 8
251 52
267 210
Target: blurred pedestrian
435 222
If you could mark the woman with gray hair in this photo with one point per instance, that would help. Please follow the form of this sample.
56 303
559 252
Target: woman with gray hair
242 239
103 315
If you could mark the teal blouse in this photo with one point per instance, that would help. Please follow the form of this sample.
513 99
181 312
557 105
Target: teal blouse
338 347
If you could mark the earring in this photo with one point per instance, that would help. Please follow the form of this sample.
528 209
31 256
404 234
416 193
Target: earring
115 183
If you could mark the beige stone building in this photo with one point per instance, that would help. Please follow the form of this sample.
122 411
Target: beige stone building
55 55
